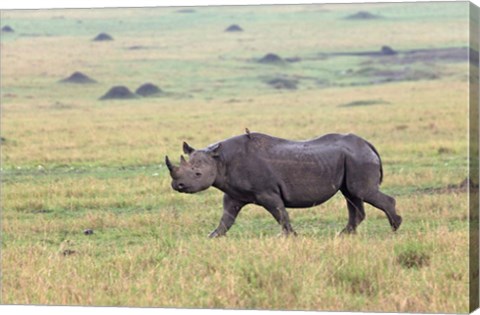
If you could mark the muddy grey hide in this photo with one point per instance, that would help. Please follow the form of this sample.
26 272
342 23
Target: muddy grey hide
275 173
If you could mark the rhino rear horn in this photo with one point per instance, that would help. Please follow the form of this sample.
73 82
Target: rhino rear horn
187 149
183 162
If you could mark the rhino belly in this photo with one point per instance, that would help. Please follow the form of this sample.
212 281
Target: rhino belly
306 197
310 189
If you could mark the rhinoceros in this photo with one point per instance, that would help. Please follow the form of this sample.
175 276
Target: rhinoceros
275 173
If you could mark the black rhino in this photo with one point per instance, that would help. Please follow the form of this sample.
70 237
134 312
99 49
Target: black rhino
277 173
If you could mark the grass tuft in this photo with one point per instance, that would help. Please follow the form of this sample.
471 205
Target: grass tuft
357 281
413 255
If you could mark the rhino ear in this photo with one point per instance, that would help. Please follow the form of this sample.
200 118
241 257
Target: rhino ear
215 149
187 149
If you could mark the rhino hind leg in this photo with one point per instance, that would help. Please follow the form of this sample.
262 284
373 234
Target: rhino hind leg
386 204
274 204
356 213
281 215
362 181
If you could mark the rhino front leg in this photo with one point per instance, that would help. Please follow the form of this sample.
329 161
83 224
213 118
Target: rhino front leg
231 208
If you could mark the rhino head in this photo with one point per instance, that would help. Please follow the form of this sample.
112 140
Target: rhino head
196 174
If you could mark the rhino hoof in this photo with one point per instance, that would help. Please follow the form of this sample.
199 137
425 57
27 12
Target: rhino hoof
287 234
397 223
215 234
348 231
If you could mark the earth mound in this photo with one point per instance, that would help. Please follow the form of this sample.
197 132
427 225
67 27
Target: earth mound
7 29
186 11
148 89
271 59
293 59
387 50
462 187
78 78
384 51
102 37
119 92
364 103
283 84
362 15
467 182
234 28
137 47
451 54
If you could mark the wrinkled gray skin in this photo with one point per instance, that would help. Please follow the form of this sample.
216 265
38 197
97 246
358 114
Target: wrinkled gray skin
277 173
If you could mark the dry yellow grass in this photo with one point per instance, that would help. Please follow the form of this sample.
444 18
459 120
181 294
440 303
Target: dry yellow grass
259 273
139 133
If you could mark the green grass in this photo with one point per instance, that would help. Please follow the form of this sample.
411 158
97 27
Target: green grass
71 162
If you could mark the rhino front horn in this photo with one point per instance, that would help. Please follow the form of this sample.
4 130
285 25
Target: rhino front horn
168 163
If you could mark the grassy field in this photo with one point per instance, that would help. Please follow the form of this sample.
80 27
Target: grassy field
71 162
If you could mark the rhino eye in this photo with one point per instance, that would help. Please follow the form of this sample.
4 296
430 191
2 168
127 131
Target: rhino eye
198 174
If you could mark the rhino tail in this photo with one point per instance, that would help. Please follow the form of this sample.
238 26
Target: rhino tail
380 159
